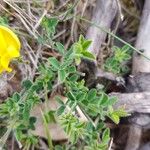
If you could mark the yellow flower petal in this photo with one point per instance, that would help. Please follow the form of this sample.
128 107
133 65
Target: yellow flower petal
12 52
1 69
10 37
9 48
3 44
5 62
8 69
5 69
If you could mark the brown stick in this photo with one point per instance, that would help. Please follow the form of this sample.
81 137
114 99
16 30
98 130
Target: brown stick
133 102
134 132
103 16
141 64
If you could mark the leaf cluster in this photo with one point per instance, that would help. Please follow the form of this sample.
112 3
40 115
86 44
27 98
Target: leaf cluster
92 103
117 63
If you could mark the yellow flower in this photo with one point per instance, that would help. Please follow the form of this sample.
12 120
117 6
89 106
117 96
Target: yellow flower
9 48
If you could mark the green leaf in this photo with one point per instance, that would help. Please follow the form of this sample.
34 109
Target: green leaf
92 94
66 63
88 55
106 135
86 44
36 87
59 100
115 48
52 22
103 146
93 109
60 48
77 60
54 62
50 25
80 125
121 113
71 69
78 48
60 110
100 126
117 62
27 84
42 68
69 54
125 48
80 96
71 96
104 100
49 86
16 97
26 112
74 78
19 134
62 75
112 101
4 21
115 118
109 102
49 22
32 121
74 138
81 39
58 147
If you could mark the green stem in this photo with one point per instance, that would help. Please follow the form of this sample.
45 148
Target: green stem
46 98
4 138
86 115
49 139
